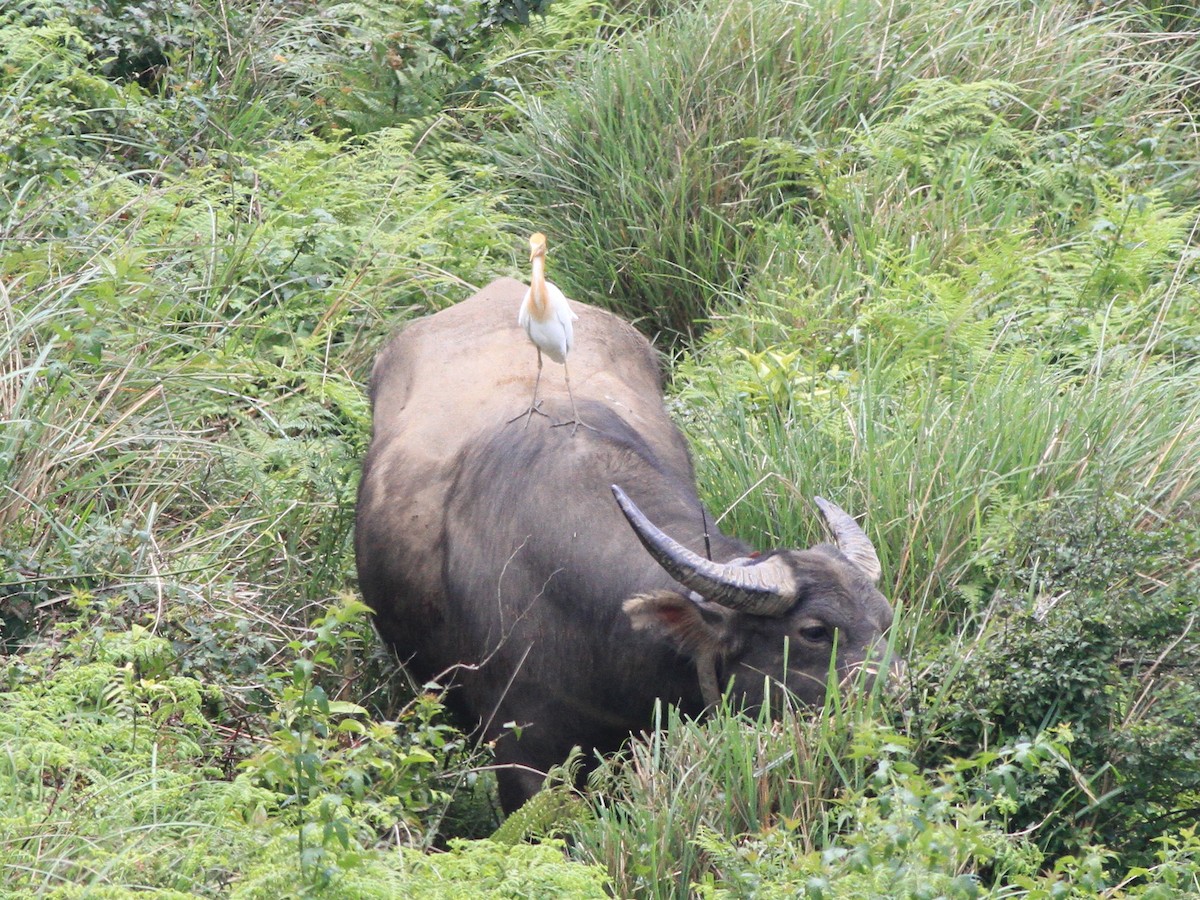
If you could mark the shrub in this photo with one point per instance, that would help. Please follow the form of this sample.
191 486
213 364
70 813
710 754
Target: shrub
872 821
109 771
201 363
130 40
729 775
46 96
1095 630
914 833
343 781
470 869
116 771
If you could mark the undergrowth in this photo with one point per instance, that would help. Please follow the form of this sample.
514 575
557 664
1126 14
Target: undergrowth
940 259
116 769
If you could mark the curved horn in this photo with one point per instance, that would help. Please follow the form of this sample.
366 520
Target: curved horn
851 539
746 589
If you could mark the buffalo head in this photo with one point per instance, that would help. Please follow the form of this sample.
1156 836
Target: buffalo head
777 618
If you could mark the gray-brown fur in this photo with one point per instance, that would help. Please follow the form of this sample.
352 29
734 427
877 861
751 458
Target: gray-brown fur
496 558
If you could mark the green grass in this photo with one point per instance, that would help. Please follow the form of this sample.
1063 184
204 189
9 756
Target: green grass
663 167
735 774
945 473
935 262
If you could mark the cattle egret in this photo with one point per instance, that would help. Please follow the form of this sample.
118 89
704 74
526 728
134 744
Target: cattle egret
546 317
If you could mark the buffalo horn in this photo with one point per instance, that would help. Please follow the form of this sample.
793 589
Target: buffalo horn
748 589
851 539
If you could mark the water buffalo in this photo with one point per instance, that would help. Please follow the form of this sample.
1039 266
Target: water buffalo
502 559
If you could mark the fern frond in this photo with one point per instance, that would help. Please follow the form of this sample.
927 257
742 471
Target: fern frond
550 811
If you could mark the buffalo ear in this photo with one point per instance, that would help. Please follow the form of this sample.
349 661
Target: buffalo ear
697 630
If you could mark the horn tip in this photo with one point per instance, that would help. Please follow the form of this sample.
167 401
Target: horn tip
627 506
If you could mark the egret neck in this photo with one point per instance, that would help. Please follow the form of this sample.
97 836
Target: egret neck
539 300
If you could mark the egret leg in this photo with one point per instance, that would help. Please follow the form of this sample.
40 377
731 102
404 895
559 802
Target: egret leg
575 421
533 404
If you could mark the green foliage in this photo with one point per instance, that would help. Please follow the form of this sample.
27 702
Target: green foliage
109 770
870 133
131 87
906 833
943 254
603 162
495 870
1093 628
371 64
45 95
912 833
363 67
130 39
978 331
732 774
470 869
344 780
1170 15
872 821
908 389
115 770
181 362
551 811
207 351
454 28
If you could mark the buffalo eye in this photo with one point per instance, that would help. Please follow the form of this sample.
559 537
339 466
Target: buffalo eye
815 633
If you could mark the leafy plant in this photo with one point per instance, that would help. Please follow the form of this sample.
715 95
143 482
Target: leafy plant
1095 630
129 39
115 766
45 98
911 832
469 869
345 781
552 811
108 771
729 775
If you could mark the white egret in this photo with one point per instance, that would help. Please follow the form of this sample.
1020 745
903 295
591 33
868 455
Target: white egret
547 318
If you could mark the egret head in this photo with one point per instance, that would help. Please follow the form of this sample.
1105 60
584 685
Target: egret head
537 245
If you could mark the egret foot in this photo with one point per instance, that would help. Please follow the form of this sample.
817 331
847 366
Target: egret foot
575 423
528 414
